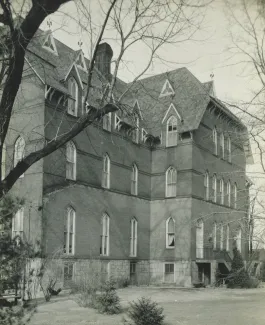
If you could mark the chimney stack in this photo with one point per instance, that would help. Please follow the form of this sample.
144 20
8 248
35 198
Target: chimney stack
103 59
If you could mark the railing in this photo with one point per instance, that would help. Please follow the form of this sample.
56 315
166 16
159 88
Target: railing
208 253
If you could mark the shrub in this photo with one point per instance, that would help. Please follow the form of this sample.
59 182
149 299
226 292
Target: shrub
238 277
122 282
145 312
108 301
16 315
252 282
262 272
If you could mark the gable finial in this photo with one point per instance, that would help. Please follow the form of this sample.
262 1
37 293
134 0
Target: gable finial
80 43
212 75
49 23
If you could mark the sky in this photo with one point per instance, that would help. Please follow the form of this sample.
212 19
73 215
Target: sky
205 55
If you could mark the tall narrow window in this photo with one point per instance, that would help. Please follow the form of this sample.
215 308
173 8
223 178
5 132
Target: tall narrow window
170 233
171 182
69 231
222 145
19 151
229 149
107 122
135 133
133 239
104 247
221 236
228 193
3 162
221 191
17 224
227 237
169 272
214 187
235 195
70 161
206 186
106 172
172 132
215 236
73 99
238 240
215 141
134 180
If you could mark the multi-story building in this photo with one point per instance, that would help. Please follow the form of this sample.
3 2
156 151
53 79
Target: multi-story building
156 191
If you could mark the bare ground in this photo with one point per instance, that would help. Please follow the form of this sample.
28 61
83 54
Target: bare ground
181 307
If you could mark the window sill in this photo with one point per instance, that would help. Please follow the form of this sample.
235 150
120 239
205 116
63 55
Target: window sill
170 197
167 247
106 130
69 114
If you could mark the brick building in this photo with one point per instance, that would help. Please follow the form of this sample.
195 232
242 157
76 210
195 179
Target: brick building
156 192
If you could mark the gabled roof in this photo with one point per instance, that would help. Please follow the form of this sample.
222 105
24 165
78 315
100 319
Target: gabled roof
190 97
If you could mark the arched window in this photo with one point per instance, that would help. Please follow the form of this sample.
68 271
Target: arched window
214 235
70 161
172 132
133 238
17 224
229 149
134 180
171 182
215 140
19 151
238 240
3 162
221 191
214 187
228 193
221 236
69 231
104 247
135 133
73 99
106 172
235 195
227 237
206 186
107 122
170 233
222 145
199 239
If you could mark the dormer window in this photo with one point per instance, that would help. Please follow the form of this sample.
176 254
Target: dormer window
172 132
144 135
80 61
73 99
167 89
49 44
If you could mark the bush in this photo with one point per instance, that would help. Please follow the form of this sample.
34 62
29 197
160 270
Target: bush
122 282
262 272
16 315
107 301
145 312
252 282
238 277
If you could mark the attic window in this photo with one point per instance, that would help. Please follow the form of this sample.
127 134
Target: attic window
144 135
167 89
49 44
80 61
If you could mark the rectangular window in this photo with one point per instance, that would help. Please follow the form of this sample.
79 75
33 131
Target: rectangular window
169 272
214 236
68 273
170 233
221 237
132 268
17 224
107 122
227 237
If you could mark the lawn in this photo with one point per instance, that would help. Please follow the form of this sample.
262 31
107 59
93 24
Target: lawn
181 306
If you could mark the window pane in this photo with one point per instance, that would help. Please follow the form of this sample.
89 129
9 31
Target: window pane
171 240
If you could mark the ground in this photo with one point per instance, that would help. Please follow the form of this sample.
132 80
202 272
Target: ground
181 307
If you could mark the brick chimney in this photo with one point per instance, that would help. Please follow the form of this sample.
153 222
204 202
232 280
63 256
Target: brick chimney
103 59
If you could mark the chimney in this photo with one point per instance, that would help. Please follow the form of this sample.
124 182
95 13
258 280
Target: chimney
103 59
